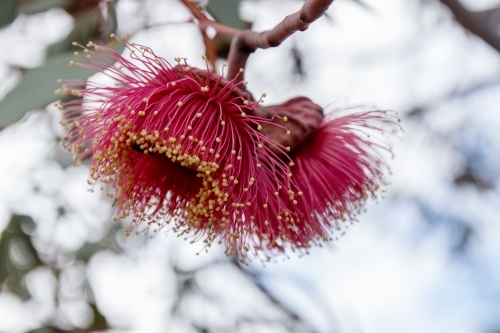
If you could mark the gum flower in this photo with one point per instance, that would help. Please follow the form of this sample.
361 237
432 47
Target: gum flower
186 149
177 146
337 161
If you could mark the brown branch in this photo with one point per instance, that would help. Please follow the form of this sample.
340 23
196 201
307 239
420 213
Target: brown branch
477 23
248 41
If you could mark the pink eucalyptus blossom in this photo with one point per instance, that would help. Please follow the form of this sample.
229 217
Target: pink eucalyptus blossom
338 162
179 146
184 148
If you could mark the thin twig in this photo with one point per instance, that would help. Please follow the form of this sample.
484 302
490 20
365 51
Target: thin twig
248 41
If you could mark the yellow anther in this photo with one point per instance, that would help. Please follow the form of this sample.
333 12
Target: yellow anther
198 115
179 103
243 114
285 118
259 128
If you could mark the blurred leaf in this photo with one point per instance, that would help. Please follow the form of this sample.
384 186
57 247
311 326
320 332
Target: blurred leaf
226 12
112 21
89 249
7 12
17 254
85 29
39 6
37 86
90 25
43 330
100 322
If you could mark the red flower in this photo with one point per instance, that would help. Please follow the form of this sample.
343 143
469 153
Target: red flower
184 147
338 162
177 145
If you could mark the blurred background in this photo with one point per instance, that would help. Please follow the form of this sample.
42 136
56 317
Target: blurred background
426 258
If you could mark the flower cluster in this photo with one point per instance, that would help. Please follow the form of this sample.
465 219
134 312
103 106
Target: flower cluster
186 148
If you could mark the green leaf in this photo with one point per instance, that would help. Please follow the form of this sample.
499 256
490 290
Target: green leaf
7 12
87 26
226 12
37 86
17 255
43 330
100 322
89 249
38 6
